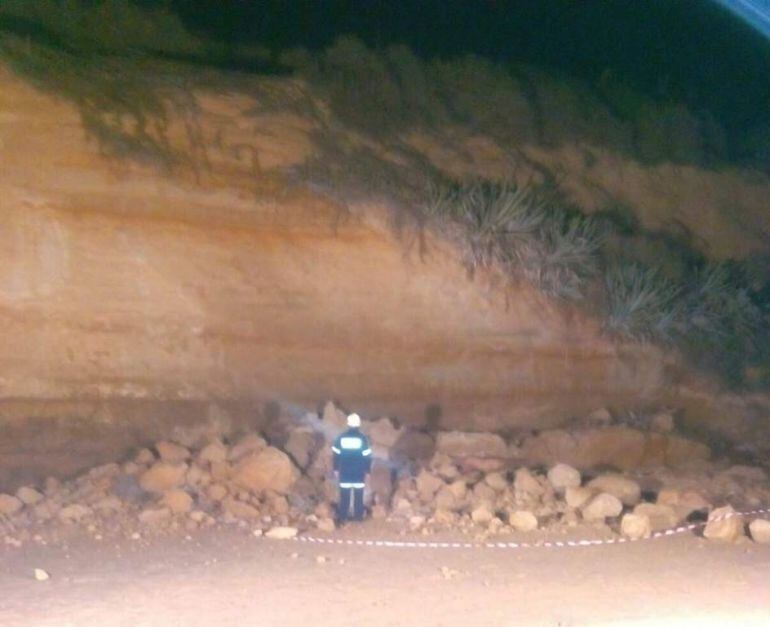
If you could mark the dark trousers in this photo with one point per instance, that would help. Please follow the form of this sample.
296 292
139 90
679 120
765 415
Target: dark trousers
343 507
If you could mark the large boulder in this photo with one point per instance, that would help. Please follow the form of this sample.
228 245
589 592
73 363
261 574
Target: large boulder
460 444
268 469
724 525
760 531
620 447
636 526
427 485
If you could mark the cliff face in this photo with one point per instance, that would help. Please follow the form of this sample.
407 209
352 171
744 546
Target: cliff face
133 299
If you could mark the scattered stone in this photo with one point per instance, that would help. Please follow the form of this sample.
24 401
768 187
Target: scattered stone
41 575
326 524
214 451
636 526
320 559
269 469
724 525
760 531
467 444
171 452
250 443
602 506
683 503
577 497
28 495
562 476
282 533
178 501
10 504
627 490
522 520
163 476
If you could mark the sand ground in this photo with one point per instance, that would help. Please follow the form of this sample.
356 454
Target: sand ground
229 577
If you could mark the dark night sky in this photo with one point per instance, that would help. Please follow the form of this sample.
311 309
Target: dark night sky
693 50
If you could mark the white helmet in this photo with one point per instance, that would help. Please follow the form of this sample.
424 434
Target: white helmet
354 421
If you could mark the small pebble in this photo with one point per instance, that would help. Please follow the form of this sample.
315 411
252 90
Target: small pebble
41 575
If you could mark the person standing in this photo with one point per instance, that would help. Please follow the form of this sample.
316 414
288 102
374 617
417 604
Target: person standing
352 463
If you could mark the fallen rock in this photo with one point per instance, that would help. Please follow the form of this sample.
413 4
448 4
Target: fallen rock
154 516
144 457
483 493
383 436
684 502
172 452
381 481
660 516
482 514
28 495
602 506
427 485
334 422
178 501
213 452
460 444
41 575
10 504
282 533
239 509
413 446
249 443
301 445
325 524
662 422
760 531
636 526
579 496
724 525
562 476
627 490
599 417
522 520
525 483
163 476
74 513
268 469
496 481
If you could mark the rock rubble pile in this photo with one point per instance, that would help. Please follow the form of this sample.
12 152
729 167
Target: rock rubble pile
476 483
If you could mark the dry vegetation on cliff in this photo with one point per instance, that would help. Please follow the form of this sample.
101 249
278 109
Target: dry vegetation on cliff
366 103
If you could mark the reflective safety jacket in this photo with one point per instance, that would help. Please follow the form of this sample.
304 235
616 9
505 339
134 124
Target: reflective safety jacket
352 458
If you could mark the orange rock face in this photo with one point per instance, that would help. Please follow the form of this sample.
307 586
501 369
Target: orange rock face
134 300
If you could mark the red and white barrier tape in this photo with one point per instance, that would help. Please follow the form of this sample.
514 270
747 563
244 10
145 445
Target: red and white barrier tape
545 544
